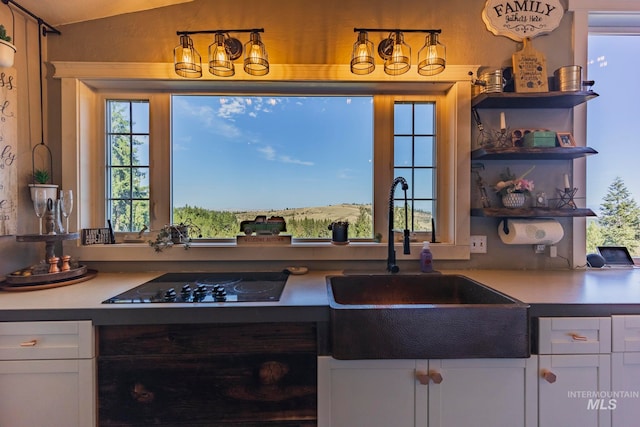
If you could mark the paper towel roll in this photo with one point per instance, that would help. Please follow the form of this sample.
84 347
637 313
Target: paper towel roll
530 231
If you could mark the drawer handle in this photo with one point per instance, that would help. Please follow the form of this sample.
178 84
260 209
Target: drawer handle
31 343
577 337
424 377
549 376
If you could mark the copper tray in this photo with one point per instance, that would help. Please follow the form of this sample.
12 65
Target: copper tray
39 279
4 286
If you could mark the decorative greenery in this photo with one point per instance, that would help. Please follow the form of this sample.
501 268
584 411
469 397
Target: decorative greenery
3 34
510 184
41 176
167 237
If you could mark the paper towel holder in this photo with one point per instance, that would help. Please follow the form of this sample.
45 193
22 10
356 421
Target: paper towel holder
505 226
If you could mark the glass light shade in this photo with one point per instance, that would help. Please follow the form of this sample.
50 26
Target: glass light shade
400 60
186 59
256 60
362 56
219 62
432 56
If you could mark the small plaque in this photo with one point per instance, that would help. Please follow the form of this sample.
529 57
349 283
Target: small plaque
264 239
95 236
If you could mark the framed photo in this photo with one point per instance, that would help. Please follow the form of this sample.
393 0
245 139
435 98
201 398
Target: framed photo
565 139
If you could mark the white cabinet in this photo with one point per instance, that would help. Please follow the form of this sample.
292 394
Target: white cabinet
483 392
47 372
625 370
421 393
574 367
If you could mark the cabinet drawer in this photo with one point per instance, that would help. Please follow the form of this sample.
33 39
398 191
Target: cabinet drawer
574 335
46 340
626 333
246 338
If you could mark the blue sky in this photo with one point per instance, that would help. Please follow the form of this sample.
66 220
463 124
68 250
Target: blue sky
614 116
246 153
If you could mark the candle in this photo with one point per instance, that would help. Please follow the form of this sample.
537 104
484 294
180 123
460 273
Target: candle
503 121
567 186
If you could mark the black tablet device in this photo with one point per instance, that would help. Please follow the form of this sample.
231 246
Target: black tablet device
616 256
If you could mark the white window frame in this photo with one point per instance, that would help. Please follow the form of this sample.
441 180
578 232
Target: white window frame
86 86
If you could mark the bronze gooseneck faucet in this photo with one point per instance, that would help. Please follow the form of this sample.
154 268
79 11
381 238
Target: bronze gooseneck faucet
391 258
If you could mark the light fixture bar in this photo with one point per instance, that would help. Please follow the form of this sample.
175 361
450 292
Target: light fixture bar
395 30
222 52
188 33
396 54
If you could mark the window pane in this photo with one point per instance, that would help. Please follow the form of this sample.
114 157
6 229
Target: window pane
402 119
140 112
422 183
424 119
120 150
403 151
128 186
308 159
424 150
119 117
140 151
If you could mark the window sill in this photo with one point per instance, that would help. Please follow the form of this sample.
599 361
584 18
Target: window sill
317 251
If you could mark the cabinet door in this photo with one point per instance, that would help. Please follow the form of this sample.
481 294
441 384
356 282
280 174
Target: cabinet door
625 371
371 393
52 393
483 392
568 390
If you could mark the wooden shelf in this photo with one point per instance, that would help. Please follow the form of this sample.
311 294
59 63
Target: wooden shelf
531 212
532 100
534 153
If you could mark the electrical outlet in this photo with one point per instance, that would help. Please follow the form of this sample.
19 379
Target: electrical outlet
478 244
539 249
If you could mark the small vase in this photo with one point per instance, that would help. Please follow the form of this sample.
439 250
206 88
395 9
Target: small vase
513 200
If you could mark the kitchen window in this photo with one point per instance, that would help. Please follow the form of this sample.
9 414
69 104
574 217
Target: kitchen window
446 193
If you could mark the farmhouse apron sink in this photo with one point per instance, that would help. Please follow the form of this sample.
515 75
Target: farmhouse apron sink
420 316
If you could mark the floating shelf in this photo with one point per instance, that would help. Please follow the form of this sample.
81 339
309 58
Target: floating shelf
532 100
531 212
533 153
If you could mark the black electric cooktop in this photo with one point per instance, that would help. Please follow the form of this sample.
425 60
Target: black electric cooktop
206 288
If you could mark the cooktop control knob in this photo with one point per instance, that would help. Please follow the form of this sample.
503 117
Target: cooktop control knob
199 293
170 295
219 293
185 292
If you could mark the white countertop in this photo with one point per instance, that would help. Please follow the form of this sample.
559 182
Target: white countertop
305 297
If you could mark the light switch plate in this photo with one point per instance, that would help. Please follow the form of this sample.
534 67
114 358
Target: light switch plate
478 244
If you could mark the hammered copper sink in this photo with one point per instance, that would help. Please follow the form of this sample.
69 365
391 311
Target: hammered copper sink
424 316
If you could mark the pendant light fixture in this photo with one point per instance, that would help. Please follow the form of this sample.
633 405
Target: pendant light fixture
186 59
398 61
222 52
432 56
256 60
362 56
396 53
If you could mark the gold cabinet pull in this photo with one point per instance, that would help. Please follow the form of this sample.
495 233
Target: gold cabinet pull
425 377
31 343
549 376
578 337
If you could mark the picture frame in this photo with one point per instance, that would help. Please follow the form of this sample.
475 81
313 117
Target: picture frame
565 139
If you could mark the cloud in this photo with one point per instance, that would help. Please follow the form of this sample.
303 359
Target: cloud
270 154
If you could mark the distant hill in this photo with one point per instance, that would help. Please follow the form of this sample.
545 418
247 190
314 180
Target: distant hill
341 212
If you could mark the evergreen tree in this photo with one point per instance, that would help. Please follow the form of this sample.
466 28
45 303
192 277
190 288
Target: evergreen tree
620 218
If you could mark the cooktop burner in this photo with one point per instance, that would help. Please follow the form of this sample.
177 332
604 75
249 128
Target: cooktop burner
206 288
